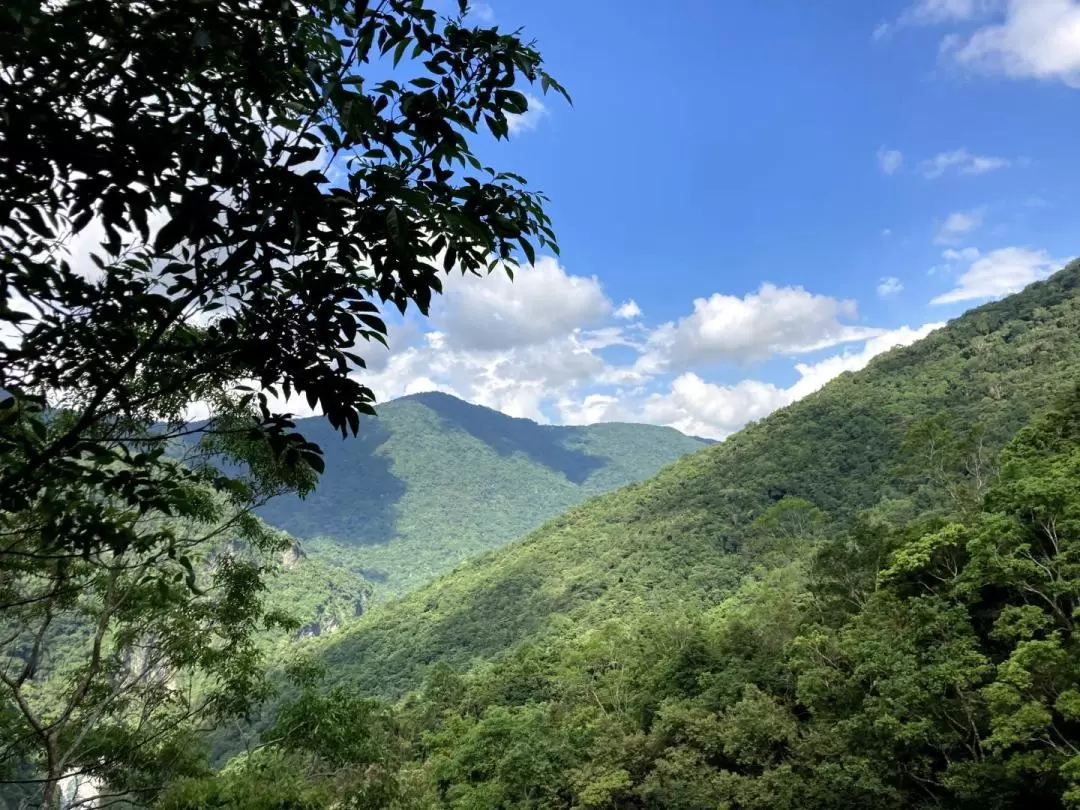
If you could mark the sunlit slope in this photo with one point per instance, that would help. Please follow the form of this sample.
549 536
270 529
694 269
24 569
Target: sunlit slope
676 537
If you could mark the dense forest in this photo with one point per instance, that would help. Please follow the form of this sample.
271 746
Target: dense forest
679 539
432 481
887 623
209 209
206 211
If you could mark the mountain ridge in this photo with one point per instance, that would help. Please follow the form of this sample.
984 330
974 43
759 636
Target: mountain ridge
677 538
433 480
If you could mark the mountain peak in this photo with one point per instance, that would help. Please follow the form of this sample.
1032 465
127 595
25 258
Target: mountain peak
434 480
681 538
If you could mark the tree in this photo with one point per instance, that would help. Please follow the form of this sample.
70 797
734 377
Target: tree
111 658
203 206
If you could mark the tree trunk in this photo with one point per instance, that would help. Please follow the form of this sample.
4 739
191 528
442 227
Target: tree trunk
50 799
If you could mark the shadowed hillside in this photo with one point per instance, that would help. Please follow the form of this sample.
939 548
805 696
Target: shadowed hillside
678 538
434 480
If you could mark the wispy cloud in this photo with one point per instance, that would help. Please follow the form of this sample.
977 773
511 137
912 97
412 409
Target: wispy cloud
961 161
483 12
1001 272
889 160
889 286
958 225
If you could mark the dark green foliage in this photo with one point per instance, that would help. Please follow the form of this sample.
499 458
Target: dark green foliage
674 541
243 185
433 481
948 679
317 595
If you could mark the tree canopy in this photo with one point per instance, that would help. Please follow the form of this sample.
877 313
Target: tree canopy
203 208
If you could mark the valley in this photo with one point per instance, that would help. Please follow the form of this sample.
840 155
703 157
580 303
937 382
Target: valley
795 614
468 405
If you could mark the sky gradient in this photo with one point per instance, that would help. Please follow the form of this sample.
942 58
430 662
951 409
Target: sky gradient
752 197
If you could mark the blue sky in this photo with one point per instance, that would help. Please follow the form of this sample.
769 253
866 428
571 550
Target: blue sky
783 188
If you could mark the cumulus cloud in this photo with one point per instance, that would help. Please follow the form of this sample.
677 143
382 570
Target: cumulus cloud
1038 39
628 310
714 411
1001 272
515 349
542 301
517 380
699 408
962 161
889 285
1035 39
953 258
770 321
889 160
528 120
594 408
958 225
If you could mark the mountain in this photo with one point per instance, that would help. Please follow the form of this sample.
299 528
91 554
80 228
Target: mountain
680 540
432 481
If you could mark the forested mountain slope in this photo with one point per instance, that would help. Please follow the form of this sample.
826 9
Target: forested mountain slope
434 480
679 538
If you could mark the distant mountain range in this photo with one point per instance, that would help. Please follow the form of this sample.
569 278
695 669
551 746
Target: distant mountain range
680 540
433 481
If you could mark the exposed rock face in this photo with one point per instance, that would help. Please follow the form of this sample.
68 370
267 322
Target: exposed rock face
292 556
319 628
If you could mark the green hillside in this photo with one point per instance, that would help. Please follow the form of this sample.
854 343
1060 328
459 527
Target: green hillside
433 481
678 541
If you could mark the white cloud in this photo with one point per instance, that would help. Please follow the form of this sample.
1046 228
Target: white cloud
889 285
483 12
814 376
517 380
958 225
1001 272
954 257
769 321
628 310
510 382
927 12
962 161
968 254
700 408
493 312
889 160
593 408
528 120
1037 39
886 231
930 12
511 348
